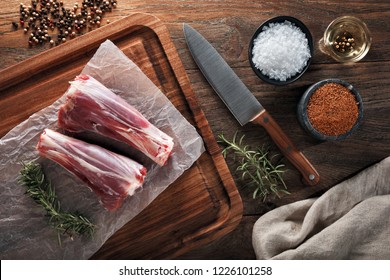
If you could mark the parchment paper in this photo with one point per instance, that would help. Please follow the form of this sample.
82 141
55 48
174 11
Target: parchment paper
24 229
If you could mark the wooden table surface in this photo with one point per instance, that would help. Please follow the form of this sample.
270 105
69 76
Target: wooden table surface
229 25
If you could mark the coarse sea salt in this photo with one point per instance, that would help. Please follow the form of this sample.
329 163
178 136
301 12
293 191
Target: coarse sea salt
281 51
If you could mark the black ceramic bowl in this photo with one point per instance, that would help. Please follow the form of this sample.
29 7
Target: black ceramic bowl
304 119
281 19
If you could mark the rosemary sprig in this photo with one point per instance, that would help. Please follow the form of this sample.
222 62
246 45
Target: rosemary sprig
256 167
43 193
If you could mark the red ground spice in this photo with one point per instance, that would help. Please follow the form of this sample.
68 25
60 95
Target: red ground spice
332 109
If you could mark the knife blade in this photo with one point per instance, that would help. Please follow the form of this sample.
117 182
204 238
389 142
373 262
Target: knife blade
241 102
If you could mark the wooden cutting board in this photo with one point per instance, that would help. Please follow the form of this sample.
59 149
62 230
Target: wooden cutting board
203 204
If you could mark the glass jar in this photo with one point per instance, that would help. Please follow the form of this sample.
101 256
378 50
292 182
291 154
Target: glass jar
347 39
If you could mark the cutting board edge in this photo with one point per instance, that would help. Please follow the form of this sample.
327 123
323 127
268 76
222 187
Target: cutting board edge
15 74
205 130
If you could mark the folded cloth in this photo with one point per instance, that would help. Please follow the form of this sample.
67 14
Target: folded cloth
349 221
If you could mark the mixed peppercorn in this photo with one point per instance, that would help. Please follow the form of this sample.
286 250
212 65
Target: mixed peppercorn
344 42
48 21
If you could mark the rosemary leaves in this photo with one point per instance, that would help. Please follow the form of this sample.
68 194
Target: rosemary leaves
43 193
256 167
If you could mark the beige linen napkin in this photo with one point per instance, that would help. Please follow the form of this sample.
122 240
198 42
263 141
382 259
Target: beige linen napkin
349 221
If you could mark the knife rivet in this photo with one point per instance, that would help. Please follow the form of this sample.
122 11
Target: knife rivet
266 120
312 177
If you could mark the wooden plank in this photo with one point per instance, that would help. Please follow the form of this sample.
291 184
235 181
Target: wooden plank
230 24
335 161
234 245
203 204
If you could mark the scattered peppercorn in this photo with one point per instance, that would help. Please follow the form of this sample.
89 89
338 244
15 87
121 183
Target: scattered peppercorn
332 109
43 16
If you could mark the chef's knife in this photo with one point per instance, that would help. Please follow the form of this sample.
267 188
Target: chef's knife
241 102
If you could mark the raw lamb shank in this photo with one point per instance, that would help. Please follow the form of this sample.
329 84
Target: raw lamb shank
91 106
111 176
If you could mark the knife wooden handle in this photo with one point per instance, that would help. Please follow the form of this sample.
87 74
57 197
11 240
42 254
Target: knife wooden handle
310 175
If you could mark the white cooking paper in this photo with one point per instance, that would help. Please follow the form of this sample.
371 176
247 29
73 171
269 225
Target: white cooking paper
24 229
